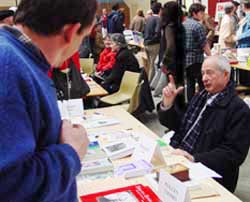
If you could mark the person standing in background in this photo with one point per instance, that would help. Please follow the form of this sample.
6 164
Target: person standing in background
40 154
235 17
195 46
172 58
115 20
243 33
152 37
104 22
138 22
227 37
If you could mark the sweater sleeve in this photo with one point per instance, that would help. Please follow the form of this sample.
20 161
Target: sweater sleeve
29 172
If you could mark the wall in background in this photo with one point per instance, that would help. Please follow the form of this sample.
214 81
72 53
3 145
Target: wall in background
134 5
7 3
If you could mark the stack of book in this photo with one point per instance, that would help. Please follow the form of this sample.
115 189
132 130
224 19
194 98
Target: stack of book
134 193
95 164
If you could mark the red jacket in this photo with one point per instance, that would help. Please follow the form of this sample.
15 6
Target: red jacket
76 60
106 60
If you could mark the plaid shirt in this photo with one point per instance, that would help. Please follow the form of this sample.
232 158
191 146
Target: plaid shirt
195 41
25 40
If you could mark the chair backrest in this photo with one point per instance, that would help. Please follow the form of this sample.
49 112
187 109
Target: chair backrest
135 100
87 65
129 82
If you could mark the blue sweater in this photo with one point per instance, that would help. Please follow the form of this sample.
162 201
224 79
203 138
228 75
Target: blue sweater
34 167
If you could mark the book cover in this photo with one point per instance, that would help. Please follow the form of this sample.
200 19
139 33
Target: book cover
124 196
134 169
96 166
134 193
94 152
118 149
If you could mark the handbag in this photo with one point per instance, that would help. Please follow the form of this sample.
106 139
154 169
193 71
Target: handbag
69 85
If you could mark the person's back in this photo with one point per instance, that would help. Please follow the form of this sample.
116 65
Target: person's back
226 32
138 24
243 33
152 30
39 153
194 43
115 20
195 46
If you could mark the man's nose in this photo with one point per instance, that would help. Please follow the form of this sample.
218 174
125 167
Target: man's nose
204 77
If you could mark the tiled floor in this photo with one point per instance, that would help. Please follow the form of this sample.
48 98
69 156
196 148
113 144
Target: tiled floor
243 187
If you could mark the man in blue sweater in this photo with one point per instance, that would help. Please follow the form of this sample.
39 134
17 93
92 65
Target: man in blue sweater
39 154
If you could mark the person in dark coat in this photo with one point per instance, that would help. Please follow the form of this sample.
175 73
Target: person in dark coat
215 128
125 61
116 20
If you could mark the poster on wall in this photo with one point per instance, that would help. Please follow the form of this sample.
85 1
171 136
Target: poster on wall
219 12
205 3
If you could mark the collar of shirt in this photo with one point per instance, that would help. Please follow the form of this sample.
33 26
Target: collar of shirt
23 38
210 98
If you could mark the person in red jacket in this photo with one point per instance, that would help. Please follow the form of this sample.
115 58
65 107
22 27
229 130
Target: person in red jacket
106 61
76 60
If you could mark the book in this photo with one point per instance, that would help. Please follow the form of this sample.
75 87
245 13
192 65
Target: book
178 170
134 193
134 169
125 196
94 152
119 149
98 120
94 176
105 138
96 166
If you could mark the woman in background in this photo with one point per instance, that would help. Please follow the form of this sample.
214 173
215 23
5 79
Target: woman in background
138 22
171 54
106 61
124 61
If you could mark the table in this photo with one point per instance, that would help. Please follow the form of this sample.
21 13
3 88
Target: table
133 43
237 67
95 89
128 122
241 66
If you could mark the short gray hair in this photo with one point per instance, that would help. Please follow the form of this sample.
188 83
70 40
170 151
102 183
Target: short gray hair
119 39
221 62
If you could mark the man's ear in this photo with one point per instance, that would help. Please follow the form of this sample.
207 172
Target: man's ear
226 74
69 31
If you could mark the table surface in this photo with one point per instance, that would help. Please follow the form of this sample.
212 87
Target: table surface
241 66
128 122
95 89
133 43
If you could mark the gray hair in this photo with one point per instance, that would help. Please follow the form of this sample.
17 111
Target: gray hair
119 39
221 62
228 8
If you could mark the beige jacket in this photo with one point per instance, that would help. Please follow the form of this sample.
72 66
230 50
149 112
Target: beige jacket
227 37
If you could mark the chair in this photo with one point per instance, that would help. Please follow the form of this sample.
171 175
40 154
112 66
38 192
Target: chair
135 100
126 90
87 65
